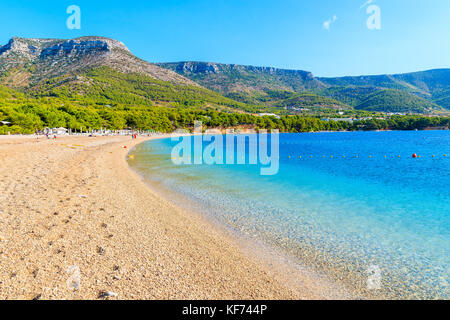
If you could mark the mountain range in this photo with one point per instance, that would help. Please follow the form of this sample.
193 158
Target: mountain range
103 71
419 92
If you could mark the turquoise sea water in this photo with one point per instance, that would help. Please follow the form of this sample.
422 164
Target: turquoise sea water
354 205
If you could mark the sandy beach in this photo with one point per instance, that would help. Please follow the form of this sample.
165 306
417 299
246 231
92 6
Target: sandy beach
72 205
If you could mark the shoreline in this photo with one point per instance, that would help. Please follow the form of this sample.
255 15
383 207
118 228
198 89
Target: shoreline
74 204
282 266
336 271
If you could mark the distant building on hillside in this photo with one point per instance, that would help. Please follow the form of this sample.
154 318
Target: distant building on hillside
268 114
339 119
58 131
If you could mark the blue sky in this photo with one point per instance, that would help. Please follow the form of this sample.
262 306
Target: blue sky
290 34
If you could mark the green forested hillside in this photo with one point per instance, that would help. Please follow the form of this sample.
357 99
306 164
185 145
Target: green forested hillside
382 100
351 95
290 100
26 114
431 81
310 100
423 82
431 85
396 101
442 98
104 85
255 84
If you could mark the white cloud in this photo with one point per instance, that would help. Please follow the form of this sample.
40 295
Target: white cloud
327 24
366 4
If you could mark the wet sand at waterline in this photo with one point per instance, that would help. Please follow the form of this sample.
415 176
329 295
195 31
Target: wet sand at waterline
72 204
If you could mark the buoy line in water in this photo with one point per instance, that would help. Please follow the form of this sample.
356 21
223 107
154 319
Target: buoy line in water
414 156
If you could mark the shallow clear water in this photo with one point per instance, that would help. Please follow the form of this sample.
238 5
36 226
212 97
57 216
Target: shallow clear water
356 205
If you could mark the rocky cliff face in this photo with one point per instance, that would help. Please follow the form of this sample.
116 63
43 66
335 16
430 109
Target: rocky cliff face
229 78
32 60
80 47
196 67
44 48
193 67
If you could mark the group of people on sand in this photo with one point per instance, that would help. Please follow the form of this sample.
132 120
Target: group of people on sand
46 134
50 136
